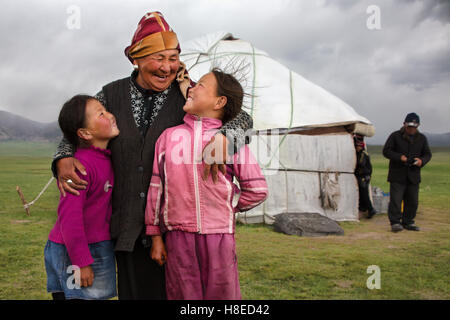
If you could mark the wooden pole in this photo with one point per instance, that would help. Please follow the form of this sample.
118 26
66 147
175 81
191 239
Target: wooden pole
23 200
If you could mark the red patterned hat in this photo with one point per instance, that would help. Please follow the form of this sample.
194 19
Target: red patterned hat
153 34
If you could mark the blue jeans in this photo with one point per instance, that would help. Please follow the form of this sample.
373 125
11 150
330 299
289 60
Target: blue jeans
60 272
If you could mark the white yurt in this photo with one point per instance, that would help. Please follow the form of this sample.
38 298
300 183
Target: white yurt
303 134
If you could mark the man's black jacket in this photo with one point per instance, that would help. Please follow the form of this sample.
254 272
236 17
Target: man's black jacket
398 144
363 165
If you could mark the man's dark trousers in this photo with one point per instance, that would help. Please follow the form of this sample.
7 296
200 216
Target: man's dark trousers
364 198
409 193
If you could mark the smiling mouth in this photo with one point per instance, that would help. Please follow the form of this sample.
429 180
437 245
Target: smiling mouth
161 77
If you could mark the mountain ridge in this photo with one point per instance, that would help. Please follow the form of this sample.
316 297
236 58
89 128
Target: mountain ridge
15 127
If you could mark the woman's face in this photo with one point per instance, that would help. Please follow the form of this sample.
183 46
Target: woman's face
158 70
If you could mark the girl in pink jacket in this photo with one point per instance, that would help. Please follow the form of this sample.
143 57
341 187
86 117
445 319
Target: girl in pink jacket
197 216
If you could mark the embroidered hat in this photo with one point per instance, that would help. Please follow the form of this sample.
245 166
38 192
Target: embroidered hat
153 34
412 120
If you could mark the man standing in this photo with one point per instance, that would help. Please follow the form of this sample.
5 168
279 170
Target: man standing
408 151
363 173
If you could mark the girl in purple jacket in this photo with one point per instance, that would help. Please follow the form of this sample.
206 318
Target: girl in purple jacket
196 215
79 255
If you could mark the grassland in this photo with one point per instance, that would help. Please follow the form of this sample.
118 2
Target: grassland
414 265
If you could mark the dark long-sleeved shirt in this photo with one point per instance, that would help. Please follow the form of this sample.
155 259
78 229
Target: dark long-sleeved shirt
398 144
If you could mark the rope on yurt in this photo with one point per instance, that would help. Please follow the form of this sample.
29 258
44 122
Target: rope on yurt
312 171
254 80
290 121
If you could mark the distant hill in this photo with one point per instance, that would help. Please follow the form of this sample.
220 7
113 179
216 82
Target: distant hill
14 127
438 140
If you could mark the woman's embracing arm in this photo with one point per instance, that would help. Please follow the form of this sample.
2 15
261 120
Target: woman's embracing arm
235 130
63 150
229 140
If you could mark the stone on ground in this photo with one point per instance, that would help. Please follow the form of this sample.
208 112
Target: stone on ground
306 224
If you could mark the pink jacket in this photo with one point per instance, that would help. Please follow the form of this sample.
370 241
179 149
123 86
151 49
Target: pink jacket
179 199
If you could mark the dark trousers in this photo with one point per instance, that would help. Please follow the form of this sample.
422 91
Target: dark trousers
364 199
138 276
409 194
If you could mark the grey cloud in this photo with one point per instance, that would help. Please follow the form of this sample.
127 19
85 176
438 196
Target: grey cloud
438 10
422 72
341 4
379 73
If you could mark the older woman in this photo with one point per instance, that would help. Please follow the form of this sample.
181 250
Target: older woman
144 104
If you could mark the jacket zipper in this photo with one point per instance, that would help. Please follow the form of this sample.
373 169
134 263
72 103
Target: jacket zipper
197 135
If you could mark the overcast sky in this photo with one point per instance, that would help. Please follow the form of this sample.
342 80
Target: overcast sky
383 73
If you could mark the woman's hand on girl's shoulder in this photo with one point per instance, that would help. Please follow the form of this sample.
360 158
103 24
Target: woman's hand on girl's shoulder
68 179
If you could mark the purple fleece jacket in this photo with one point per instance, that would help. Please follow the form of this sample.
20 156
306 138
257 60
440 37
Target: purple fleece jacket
84 219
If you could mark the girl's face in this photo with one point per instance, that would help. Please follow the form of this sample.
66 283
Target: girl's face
203 97
100 124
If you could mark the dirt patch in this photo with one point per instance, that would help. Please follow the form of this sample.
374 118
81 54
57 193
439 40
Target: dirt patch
19 221
430 295
345 284
367 235
381 220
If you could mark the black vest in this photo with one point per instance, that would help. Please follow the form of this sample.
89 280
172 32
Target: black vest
132 159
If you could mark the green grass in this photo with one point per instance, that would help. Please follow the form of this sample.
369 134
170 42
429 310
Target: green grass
22 237
414 265
27 149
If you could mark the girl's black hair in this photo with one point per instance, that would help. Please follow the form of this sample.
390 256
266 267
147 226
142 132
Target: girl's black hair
72 117
229 86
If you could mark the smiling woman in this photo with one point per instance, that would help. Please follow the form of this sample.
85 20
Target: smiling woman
155 50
